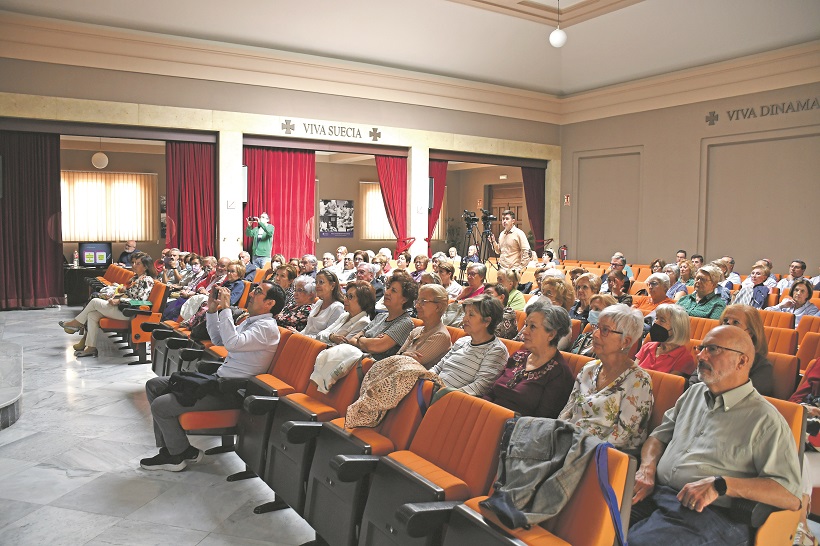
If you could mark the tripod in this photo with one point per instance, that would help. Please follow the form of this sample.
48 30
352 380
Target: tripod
482 244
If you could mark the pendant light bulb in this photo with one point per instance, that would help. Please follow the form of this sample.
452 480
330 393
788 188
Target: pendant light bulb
558 37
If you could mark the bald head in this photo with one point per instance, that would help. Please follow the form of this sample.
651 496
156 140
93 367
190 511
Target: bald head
726 358
731 337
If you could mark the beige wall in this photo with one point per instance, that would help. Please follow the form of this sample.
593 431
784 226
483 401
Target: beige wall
80 160
748 187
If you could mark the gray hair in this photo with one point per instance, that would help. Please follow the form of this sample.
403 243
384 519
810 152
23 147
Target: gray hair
620 258
673 269
556 319
244 254
662 278
679 319
488 307
626 319
373 268
307 282
311 258
713 271
481 269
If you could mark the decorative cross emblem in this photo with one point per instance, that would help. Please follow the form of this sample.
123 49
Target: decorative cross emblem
375 134
288 127
712 118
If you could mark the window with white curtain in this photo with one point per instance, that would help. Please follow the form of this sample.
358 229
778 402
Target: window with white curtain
108 206
374 215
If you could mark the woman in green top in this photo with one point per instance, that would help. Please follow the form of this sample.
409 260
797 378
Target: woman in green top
508 278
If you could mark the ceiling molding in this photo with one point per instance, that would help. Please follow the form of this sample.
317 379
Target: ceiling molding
75 44
577 12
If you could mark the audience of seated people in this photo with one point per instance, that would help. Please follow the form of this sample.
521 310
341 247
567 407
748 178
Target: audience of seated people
611 397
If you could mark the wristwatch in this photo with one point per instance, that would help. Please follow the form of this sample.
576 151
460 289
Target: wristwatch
720 485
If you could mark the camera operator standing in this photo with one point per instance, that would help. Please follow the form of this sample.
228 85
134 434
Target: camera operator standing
512 246
262 233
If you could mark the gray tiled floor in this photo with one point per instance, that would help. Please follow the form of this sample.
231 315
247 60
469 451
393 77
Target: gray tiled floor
69 468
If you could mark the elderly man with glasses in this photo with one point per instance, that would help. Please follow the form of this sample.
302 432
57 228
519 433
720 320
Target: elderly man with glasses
251 347
616 263
722 440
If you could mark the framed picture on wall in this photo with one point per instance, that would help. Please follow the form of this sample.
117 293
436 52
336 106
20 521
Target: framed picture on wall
335 218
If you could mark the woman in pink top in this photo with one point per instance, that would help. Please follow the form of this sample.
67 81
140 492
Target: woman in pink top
668 351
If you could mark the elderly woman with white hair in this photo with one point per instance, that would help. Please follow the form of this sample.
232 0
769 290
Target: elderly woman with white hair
668 351
656 286
612 397
295 315
677 289
704 302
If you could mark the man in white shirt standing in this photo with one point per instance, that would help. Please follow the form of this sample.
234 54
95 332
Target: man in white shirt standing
512 246
251 347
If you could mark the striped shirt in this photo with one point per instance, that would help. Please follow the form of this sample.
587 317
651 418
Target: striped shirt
472 369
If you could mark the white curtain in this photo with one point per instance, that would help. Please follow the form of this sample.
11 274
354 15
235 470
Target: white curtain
374 217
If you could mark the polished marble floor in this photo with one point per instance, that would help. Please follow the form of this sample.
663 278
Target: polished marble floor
69 467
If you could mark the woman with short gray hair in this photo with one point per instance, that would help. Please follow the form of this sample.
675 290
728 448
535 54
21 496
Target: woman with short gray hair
668 351
537 381
612 396
476 273
295 315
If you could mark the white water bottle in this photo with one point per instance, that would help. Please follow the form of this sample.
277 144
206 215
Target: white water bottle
76 259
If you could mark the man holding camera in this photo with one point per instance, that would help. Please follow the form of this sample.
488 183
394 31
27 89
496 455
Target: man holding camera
261 231
512 246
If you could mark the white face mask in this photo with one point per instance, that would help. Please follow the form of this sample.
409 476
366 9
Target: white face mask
593 316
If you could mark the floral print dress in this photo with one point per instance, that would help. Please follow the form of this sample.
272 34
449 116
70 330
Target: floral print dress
619 412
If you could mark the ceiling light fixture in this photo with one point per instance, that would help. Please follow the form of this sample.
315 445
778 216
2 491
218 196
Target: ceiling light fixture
99 160
558 37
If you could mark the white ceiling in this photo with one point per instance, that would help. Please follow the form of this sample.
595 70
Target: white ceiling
450 38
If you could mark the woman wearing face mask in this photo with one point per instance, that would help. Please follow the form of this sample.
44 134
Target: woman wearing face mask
668 351
583 343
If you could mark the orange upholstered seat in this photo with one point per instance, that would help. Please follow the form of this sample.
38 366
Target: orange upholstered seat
781 340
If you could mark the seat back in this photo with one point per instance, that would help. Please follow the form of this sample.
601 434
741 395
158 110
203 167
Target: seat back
636 286
417 322
343 393
807 324
575 362
296 361
243 299
284 335
460 434
778 319
455 333
795 418
401 422
575 330
781 340
809 349
260 273
699 327
585 519
785 374
512 346
666 389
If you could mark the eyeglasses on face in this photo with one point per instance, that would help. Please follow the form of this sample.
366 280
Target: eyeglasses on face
422 302
652 284
604 330
301 291
256 289
714 350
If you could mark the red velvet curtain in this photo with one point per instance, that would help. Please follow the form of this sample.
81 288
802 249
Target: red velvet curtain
191 196
438 172
535 180
31 268
282 183
393 182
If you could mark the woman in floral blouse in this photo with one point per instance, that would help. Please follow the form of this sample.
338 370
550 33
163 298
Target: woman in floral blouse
612 398
138 289
295 315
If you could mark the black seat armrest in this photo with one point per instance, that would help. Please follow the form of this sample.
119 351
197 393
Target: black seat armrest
188 354
132 312
260 405
421 519
750 512
155 327
209 366
162 335
178 342
352 468
299 432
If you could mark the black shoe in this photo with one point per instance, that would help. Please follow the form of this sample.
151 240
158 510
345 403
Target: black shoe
164 461
191 455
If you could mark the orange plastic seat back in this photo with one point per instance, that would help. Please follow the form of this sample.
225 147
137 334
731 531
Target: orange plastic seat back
157 296
576 362
699 327
809 348
243 299
785 374
284 335
575 330
781 340
635 287
343 393
401 422
778 319
666 389
455 333
295 363
808 324
460 435
585 519
417 322
793 413
512 346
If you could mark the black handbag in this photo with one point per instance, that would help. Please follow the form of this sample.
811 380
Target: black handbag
188 387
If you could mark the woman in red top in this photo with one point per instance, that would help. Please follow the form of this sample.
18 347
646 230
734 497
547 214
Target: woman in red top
668 351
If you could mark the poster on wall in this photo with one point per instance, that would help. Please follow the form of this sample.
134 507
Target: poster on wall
335 218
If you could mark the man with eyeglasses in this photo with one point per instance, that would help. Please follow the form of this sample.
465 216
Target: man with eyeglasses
307 265
251 347
367 273
616 263
130 249
721 440
796 270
